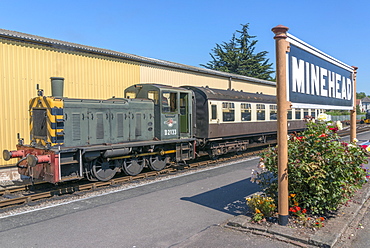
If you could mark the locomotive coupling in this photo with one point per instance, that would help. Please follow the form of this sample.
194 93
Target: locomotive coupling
7 155
33 160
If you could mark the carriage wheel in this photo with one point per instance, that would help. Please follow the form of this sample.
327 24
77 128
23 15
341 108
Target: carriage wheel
133 167
103 170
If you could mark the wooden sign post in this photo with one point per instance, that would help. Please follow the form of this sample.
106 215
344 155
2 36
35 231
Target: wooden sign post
282 47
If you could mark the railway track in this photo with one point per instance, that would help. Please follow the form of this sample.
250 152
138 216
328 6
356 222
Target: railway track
31 193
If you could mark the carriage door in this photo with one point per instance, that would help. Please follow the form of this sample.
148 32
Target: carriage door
184 114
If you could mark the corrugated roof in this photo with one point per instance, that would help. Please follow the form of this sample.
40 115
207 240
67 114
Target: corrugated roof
14 35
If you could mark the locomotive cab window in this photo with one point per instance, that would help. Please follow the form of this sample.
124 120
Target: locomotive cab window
261 112
153 95
131 95
273 112
246 111
169 102
228 111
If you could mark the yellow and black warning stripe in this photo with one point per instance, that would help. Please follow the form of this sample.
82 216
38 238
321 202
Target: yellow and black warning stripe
46 120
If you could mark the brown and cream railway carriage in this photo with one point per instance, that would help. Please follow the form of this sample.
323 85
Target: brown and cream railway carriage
229 120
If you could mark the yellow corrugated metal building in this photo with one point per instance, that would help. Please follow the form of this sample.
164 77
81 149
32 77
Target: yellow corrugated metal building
27 60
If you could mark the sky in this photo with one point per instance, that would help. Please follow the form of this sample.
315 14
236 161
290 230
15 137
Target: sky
185 32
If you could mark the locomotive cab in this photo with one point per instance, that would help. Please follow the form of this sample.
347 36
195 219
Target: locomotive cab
172 108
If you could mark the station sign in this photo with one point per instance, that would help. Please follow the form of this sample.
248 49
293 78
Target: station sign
317 80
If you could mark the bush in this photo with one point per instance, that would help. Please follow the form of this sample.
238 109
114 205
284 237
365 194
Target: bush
323 171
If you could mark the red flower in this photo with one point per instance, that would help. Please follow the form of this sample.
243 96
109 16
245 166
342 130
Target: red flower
323 135
292 210
304 210
334 129
300 138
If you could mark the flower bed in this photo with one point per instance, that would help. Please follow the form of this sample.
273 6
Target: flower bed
324 173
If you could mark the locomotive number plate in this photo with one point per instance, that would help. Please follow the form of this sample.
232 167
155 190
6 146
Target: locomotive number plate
170 132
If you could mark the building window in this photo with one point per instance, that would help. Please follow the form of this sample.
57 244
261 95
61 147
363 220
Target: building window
228 111
273 112
261 112
246 111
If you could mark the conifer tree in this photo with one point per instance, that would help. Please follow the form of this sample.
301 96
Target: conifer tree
238 56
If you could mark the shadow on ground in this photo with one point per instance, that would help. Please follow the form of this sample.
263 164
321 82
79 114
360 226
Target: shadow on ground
229 199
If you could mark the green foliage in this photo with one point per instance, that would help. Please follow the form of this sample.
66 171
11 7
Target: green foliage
238 56
338 112
262 206
360 95
358 110
323 172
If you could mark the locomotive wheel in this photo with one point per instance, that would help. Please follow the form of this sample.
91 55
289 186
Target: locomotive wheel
133 167
157 163
103 170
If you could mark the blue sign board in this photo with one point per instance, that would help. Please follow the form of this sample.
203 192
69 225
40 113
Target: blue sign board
317 80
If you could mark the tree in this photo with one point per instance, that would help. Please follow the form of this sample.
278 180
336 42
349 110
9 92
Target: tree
238 56
360 95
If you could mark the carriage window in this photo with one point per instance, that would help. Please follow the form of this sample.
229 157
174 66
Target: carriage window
130 94
313 113
261 112
214 112
273 112
246 111
298 114
169 101
305 113
228 111
154 96
290 115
